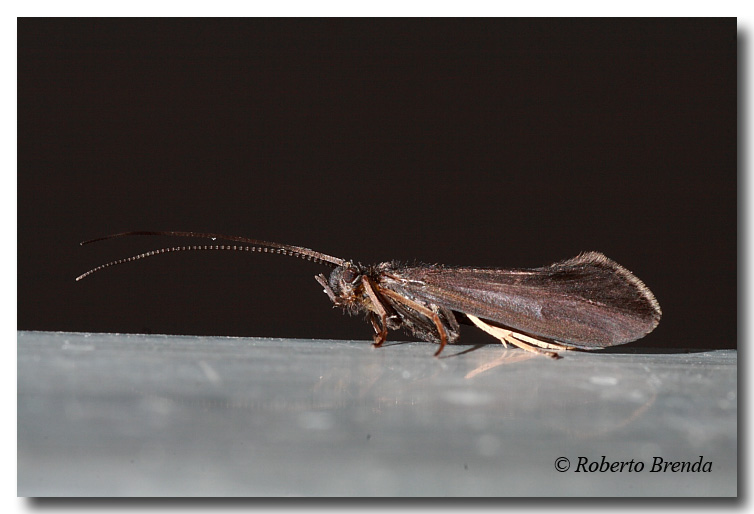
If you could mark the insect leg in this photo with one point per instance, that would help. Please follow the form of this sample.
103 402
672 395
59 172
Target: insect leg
542 344
511 337
380 332
422 310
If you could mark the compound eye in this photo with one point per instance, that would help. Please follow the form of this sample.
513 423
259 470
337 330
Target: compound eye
350 275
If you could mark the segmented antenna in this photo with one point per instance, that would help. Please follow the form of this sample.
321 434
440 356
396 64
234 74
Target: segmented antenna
256 246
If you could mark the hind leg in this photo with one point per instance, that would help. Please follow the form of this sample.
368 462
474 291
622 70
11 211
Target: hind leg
509 336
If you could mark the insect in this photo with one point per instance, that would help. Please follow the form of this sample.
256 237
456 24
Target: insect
587 302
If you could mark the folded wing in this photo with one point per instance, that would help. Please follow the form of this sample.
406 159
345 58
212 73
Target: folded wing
589 301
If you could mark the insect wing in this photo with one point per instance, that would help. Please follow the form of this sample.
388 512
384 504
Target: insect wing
588 302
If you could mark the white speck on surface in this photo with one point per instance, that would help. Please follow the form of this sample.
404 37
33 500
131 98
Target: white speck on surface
603 380
637 396
209 372
315 421
467 397
67 346
157 405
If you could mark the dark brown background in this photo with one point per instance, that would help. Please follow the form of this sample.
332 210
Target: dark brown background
487 142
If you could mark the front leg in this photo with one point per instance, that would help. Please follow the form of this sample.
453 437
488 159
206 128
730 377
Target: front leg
380 328
423 310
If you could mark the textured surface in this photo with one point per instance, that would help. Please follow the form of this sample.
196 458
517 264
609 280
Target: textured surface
106 414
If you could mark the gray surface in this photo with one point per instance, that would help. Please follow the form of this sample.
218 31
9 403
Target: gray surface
104 414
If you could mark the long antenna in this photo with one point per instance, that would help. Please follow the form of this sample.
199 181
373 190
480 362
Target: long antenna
256 246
